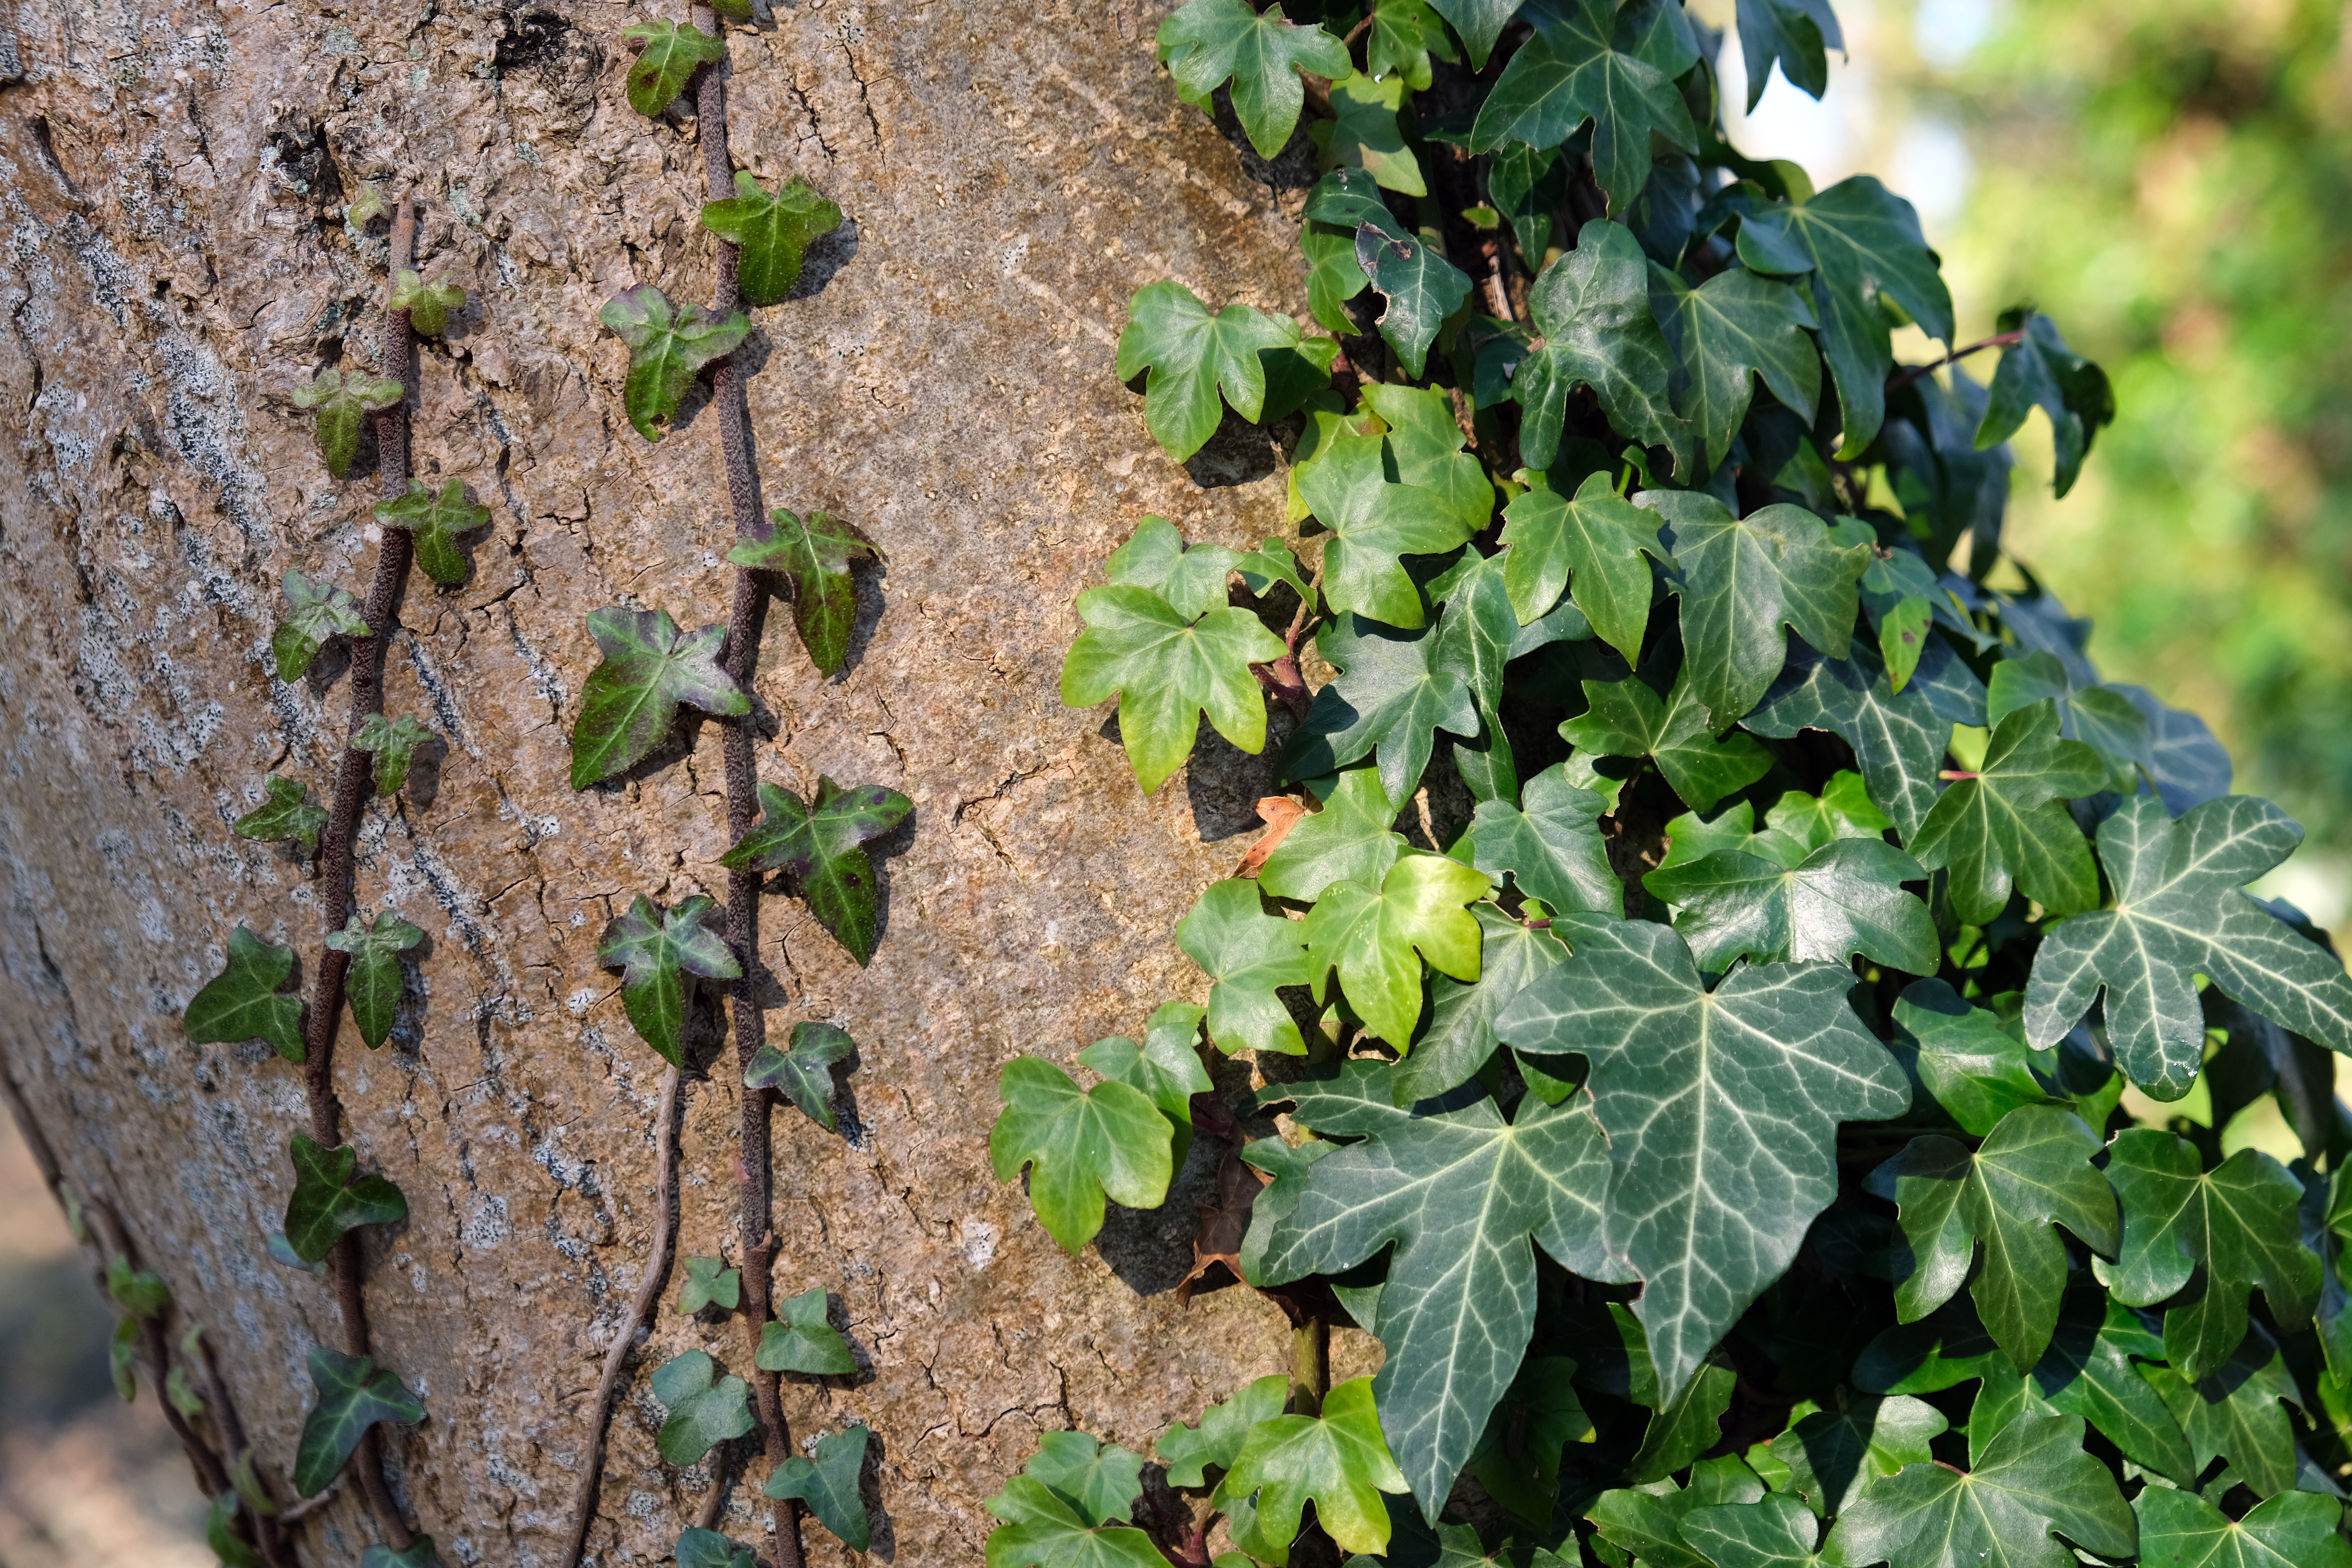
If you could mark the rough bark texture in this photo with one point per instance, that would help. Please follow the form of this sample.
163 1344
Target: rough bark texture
172 183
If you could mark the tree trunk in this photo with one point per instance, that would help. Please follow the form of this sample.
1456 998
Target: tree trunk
174 179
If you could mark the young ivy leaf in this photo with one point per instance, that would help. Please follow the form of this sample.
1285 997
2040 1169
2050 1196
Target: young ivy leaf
428 304
342 402
222 1541
121 1358
316 612
1365 132
1167 672
1209 41
804 1073
698 1548
828 1483
1405 34
394 742
710 1283
660 954
2217 1235
2005 825
1726 332
1844 898
1100 1482
1353 837
286 813
1592 307
1041 1530
369 206
330 1198
1192 581
704 1408
1798 34
2033 1481
2034 1172
1166 1066
353 1394
1421 287
2292 1530
668 54
629 703
2039 371
1339 1459
1373 520
2179 909
433 522
815 553
1190 1452
242 1002
775 233
805 1340
819 845
1598 536
138 1291
1391 696
374 979
1376 937
1626 718
668 346
1191 354
1586 63
1078 1145
418 1554
182 1394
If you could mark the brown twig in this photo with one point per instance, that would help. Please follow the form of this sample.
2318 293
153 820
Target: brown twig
649 1288
1912 373
155 1347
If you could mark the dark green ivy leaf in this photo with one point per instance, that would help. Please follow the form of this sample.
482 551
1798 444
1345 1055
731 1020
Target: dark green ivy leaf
374 981
1517 1459
710 1283
2237 1414
1627 719
1586 63
1898 738
1844 898
828 1483
1526 184
330 1198
394 742
242 1002
660 954
1798 34
1725 333
342 402
1592 306
704 1409
1550 845
1479 22
428 304
317 611
1773 1531
1247 951
1209 41
775 233
1421 287
804 1073
669 55
698 1548
820 846
1976 1070
668 346
805 1339
2004 825
1192 354
629 703
1830 1453
2039 371
286 813
2106 721
353 1394
1648 1521
1391 696
1598 536
815 553
2089 1370
434 522
2033 1482
1079 1144
1167 672
2292 1530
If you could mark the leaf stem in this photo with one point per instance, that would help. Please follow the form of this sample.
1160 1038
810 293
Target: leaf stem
1910 373
1310 1364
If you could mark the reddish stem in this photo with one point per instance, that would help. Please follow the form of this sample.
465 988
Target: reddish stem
1910 373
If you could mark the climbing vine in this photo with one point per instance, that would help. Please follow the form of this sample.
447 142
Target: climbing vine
1719 907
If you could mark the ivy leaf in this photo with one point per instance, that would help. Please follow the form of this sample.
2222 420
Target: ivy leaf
1079 1144
1797 825
1741 579
1526 184
1247 951
1946 1348
428 304
704 1409
1592 307
1373 520
2292 1530
342 402
2088 1371
1626 718
1370 936
1101 1483
1550 845
331 1198
1166 1066
1976 1070
1352 838
1461 1033
2235 1413
1648 1521
1167 672
815 553
242 1002
1425 442
1405 32
2179 909
670 54
820 846
394 742
182 1394
1860 243
1189 1452
1600 537
2034 1172
354 1394
698 1548
1040 1530
373 981
1725 333
1845 897
1209 41
1832 1452
710 1283
286 813
660 954
668 344
2107 721
1365 133
2005 825
1766 1533
2039 371
121 1358
1262 569
1478 23
1799 34
1584 65
1192 581
1339 1459
629 703
1391 696
224 1543
829 1484
1191 354
138 1291
1517 1459
1421 286
804 1073
2033 1481
775 233
2215 1233
1333 277
434 522
805 1340
1708 1198
317 611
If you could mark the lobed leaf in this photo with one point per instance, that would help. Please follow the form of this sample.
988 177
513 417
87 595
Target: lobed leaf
828 1482
245 1002
353 1394
820 845
669 54
668 346
803 1074
629 703
287 812
805 1340
331 1198
704 1408
374 981
433 522
317 612
660 954
773 233
342 402
1210 42
1166 672
1080 1145
394 743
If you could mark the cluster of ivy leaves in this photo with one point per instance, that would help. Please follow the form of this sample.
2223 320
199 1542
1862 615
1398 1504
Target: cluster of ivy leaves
1719 1123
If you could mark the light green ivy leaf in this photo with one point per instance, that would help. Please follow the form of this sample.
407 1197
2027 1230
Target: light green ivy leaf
774 232
1080 1145
1209 42
805 1339
1167 672
1190 355
1247 951
704 1408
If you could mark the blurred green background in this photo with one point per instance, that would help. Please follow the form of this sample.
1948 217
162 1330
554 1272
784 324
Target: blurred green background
2171 180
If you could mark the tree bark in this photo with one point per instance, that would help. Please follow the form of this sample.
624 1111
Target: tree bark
173 183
